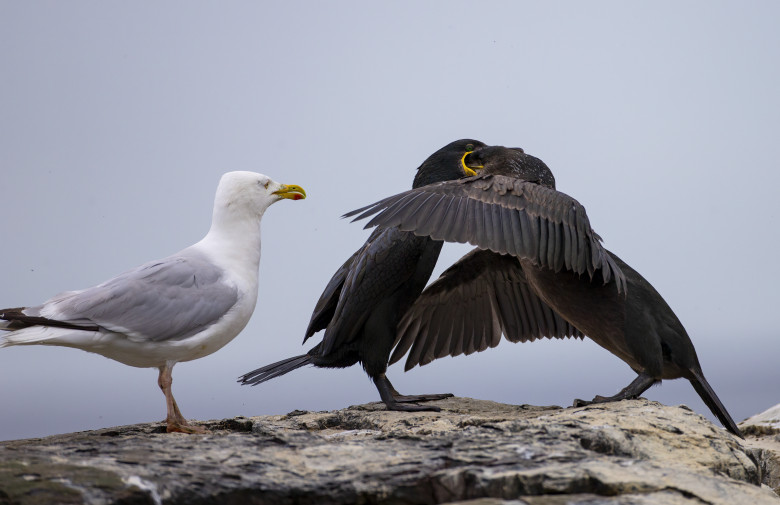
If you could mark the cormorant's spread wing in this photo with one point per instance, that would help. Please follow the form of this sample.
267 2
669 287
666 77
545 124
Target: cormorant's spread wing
503 214
470 305
326 305
385 262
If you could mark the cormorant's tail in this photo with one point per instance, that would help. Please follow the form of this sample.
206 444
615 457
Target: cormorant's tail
709 397
268 372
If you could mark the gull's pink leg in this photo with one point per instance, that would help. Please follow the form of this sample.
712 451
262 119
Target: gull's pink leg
176 421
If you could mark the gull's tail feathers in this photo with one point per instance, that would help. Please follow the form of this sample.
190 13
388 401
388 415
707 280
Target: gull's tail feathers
46 335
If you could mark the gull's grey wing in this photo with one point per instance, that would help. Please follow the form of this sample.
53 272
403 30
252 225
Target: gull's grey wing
503 214
169 299
470 305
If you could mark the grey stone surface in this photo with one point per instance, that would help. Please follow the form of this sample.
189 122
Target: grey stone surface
475 452
763 438
765 423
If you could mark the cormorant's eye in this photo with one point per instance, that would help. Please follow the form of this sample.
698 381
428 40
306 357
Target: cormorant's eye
469 148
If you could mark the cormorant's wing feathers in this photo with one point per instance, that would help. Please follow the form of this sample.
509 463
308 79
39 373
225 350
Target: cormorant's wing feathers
377 269
470 305
326 305
503 214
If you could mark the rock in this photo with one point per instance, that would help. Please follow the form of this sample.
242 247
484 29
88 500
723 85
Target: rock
763 438
765 423
473 452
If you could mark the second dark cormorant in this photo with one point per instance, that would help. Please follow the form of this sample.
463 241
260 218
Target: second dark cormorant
538 270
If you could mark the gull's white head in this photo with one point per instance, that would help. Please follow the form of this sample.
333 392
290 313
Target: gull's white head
244 196
252 193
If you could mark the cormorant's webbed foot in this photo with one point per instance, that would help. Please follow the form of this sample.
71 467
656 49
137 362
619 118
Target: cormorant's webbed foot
411 407
630 392
391 397
421 398
416 398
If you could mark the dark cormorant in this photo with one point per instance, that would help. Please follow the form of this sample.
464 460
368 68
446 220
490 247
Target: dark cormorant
363 302
538 270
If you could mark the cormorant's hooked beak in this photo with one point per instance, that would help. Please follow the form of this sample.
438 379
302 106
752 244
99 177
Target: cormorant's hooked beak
469 171
291 191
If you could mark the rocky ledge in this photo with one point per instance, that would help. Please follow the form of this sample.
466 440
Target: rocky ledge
474 451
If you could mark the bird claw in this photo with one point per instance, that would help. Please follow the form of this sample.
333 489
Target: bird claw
421 398
603 399
405 407
179 427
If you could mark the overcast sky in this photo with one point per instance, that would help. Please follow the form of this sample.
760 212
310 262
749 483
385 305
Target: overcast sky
118 118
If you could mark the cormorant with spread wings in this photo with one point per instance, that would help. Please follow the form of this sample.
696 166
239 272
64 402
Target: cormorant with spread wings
362 304
538 270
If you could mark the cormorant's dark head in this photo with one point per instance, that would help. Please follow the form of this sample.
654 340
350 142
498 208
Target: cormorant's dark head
446 164
512 162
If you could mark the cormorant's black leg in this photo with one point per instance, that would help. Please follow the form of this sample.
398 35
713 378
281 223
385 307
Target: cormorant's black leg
416 398
633 390
386 391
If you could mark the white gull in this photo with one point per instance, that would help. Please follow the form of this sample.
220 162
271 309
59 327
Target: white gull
178 308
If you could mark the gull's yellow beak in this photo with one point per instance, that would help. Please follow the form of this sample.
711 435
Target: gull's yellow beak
467 169
291 191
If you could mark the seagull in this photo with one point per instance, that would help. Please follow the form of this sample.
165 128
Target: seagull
179 308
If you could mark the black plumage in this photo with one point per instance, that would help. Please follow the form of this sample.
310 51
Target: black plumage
538 270
362 304
472 303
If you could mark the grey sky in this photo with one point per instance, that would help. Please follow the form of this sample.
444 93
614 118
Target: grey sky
117 120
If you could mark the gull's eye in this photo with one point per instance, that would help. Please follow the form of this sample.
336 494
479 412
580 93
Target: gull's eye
265 183
469 148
